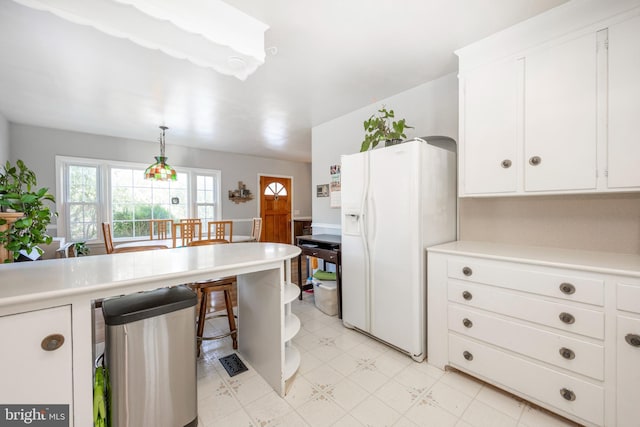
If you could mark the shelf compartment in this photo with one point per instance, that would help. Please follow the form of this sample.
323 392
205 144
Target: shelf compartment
291 326
291 292
291 361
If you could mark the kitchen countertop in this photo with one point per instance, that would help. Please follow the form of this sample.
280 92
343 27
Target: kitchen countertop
595 261
42 280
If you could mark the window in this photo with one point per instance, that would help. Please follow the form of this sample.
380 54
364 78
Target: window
82 201
135 200
275 189
95 191
207 197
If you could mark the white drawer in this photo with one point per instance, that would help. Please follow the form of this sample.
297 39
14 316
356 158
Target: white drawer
537 280
557 349
540 383
629 297
527 307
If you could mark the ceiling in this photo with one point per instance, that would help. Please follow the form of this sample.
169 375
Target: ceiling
323 59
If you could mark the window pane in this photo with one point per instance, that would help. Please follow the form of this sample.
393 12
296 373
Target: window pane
141 228
123 229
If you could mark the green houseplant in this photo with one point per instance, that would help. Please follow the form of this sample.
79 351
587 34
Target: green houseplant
80 249
382 127
18 194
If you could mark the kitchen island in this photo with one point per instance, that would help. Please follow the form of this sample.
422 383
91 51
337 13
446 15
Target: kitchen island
46 314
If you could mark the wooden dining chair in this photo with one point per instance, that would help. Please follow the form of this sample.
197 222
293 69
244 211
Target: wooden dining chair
204 289
160 229
190 230
220 230
108 243
256 230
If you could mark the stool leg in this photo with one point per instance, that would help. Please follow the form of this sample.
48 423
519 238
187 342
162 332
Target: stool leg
204 302
232 319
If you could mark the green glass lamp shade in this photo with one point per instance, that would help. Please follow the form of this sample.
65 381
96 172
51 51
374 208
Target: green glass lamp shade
160 170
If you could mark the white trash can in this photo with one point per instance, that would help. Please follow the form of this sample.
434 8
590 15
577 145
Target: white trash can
325 293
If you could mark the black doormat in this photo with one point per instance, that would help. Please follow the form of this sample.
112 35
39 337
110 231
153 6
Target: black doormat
233 365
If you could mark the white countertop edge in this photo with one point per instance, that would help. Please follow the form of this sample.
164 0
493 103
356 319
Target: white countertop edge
115 273
594 261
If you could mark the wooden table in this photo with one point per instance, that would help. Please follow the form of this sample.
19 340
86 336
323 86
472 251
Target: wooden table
237 238
327 248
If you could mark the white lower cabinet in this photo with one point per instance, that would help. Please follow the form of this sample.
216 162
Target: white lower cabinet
558 328
36 358
628 354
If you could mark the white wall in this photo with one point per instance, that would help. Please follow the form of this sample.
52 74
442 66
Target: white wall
38 146
432 108
4 140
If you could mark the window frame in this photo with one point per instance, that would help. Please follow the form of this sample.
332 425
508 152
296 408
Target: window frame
104 193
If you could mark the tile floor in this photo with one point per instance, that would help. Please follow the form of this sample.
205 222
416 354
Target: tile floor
347 379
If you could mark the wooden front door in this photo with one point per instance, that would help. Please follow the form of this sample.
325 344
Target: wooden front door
275 209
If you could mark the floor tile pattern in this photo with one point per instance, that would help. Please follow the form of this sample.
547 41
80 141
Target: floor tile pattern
347 379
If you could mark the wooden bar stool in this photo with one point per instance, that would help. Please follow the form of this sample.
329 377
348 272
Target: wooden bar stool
204 289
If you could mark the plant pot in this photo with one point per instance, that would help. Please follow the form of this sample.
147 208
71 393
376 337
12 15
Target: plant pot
10 217
390 142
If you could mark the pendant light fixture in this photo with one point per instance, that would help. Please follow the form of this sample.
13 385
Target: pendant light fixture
160 170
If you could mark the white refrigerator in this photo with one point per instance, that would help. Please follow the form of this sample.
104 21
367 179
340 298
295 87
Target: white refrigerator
396 201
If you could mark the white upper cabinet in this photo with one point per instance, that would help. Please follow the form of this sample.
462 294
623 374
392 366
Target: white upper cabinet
560 116
624 104
552 105
488 121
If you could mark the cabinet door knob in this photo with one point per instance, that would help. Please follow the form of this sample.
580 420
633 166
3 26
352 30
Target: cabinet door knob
52 342
535 160
467 356
467 295
567 318
633 340
467 271
506 163
567 288
567 353
467 323
568 394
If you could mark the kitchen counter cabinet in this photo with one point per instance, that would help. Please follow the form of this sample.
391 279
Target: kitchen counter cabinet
509 313
30 373
550 106
32 292
624 104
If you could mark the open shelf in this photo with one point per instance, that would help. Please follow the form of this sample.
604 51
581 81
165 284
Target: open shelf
291 361
291 292
291 326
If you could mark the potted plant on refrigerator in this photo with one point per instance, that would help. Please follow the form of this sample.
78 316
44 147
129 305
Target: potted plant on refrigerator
24 216
382 127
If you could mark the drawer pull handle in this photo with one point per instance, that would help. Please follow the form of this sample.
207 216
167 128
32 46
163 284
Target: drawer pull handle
535 160
567 318
467 271
467 356
633 340
567 353
567 288
506 163
568 394
52 342
467 295
467 323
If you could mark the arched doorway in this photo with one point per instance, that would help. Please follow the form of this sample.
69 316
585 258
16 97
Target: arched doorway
275 209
